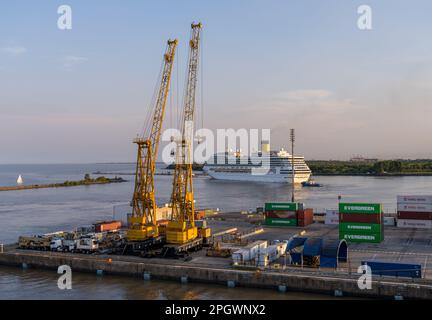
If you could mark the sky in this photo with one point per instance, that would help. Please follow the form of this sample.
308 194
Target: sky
81 95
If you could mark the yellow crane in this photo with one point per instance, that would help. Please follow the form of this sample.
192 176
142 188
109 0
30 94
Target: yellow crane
181 229
142 225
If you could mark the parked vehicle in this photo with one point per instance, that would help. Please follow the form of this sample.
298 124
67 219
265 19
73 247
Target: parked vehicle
87 245
34 243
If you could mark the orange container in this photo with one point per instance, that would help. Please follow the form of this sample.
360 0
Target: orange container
108 226
304 217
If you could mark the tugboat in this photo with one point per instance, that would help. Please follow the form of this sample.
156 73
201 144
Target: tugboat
311 183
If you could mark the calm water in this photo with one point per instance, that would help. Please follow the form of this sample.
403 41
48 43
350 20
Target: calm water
48 210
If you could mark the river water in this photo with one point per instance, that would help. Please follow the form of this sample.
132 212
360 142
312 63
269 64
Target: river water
38 211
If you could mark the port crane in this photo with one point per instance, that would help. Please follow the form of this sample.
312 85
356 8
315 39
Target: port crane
143 231
181 231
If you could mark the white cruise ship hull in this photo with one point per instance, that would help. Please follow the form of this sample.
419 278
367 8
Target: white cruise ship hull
279 178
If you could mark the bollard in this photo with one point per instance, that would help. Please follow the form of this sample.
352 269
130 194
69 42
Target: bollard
24 265
231 284
1 248
99 272
146 276
338 293
184 280
282 288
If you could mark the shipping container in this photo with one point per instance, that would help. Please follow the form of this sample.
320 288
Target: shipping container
240 256
394 269
332 216
286 206
420 224
414 215
281 214
360 218
305 217
363 228
281 222
427 199
358 237
414 207
107 226
370 208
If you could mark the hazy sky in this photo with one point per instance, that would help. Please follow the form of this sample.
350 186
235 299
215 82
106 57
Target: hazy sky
81 95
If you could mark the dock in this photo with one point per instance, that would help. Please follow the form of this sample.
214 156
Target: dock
408 245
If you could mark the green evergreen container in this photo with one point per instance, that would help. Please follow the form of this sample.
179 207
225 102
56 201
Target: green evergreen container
360 228
367 208
281 222
358 237
286 206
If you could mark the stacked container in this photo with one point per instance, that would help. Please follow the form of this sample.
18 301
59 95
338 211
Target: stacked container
332 216
361 222
281 214
305 217
414 212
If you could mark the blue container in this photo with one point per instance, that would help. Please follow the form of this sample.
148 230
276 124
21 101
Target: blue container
394 269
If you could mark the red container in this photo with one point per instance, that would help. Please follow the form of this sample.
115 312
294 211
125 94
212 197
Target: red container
305 217
108 226
360 217
414 215
281 214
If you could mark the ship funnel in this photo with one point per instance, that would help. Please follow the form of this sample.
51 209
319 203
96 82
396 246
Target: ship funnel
265 146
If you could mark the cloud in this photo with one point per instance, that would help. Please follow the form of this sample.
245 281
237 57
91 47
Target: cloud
71 61
14 51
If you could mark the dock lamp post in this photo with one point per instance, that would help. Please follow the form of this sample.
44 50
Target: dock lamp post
292 138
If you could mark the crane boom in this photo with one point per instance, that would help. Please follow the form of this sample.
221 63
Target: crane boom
181 228
142 222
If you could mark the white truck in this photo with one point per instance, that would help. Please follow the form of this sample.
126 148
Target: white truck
87 245
69 245
56 244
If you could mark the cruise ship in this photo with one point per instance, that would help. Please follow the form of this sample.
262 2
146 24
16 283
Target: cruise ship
263 166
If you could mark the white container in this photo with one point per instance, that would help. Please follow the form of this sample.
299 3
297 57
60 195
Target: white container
263 260
414 207
421 224
389 221
241 256
415 199
332 216
255 247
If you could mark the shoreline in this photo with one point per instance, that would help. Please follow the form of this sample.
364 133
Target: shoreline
64 184
373 175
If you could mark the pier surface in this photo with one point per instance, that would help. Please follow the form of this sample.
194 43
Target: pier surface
401 245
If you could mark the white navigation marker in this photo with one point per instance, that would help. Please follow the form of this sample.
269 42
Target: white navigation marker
20 180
